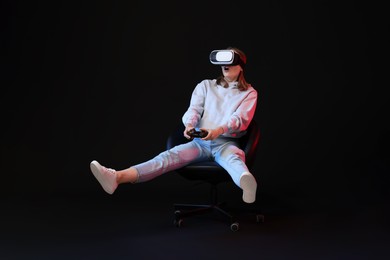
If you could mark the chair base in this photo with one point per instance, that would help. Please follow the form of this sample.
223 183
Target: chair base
183 211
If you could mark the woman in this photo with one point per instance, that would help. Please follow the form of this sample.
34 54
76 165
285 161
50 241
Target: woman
224 107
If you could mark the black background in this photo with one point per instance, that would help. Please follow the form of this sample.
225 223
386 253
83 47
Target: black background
109 80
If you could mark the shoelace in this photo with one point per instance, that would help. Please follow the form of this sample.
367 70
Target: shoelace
112 171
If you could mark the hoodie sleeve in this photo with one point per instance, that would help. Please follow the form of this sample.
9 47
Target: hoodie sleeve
196 107
241 118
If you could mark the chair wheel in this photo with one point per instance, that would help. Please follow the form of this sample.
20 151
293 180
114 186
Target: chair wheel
235 226
178 223
260 218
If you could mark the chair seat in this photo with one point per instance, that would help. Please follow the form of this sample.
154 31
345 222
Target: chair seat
207 171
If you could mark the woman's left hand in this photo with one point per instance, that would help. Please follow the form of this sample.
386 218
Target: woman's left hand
212 133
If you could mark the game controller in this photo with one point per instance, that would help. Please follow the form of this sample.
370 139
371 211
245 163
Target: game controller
197 133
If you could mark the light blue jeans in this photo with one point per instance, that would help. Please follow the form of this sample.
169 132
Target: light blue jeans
224 151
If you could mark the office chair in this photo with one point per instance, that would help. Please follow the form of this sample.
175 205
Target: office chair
213 174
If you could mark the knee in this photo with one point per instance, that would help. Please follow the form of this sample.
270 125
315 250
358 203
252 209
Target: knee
234 155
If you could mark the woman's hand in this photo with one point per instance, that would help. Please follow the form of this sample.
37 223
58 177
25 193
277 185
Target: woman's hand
188 128
213 133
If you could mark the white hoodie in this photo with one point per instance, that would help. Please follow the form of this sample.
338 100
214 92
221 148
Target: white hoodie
214 106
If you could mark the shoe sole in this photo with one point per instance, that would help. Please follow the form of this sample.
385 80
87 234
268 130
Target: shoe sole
95 168
248 185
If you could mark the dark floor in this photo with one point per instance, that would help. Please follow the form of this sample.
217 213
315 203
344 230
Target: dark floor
130 225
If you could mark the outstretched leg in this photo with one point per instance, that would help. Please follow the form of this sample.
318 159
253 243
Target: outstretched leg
166 161
232 159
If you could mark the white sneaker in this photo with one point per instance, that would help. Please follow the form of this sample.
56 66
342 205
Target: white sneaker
105 176
249 185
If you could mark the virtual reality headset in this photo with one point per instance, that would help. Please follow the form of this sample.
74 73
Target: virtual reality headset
226 58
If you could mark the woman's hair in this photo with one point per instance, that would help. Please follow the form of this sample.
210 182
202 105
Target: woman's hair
242 84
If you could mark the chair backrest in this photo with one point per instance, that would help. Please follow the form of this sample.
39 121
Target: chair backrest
248 143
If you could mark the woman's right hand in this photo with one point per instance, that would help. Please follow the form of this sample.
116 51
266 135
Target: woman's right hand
188 128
